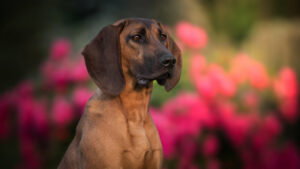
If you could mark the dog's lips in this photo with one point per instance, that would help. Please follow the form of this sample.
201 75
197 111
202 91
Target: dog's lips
161 79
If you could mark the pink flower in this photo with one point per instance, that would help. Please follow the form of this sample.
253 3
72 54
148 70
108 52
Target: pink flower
62 112
47 70
166 132
258 75
60 49
286 89
187 152
79 72
192 36
286 85
225 85
238 128
214 81
266 132
250 99
272 125
32 117
188 148
243 68
184 111
57 75
269 158
210 146
25 108
180 117
206 87
40 118
207 117
80 97
61 77
289 109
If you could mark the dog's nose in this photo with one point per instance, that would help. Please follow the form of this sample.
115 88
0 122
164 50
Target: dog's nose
167 60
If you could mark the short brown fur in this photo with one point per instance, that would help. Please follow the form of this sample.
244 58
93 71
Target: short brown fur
116 130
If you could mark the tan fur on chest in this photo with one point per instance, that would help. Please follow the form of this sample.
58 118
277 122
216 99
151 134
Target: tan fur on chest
132 136
142 148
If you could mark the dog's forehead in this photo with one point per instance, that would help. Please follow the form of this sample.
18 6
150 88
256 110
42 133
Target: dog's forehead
141 21
133 23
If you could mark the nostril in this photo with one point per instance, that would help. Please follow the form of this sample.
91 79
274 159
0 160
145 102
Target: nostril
173 61
166 62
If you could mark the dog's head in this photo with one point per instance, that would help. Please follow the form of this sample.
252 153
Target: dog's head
139 48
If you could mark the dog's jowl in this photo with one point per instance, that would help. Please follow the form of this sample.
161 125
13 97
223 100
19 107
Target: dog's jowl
116 130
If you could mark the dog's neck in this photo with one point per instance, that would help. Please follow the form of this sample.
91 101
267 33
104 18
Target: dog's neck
135 100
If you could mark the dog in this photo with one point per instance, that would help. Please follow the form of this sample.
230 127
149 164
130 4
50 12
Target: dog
116 130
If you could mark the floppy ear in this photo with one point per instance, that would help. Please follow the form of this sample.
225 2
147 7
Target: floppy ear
103 60
175 75
174 49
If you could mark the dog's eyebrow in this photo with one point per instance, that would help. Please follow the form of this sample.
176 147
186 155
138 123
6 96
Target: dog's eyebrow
140 30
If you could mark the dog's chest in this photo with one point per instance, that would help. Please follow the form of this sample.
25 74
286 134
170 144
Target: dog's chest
143 148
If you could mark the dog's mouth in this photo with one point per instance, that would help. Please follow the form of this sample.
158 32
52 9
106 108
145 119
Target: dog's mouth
161 79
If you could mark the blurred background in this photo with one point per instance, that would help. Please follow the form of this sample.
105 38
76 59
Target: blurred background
236 106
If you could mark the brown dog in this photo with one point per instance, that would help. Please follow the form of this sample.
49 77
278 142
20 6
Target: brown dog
116 130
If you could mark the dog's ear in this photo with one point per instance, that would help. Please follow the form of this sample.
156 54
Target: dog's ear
175 75
174 49
103 60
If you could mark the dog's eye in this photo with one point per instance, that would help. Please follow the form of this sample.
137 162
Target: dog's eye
163 37
136 38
